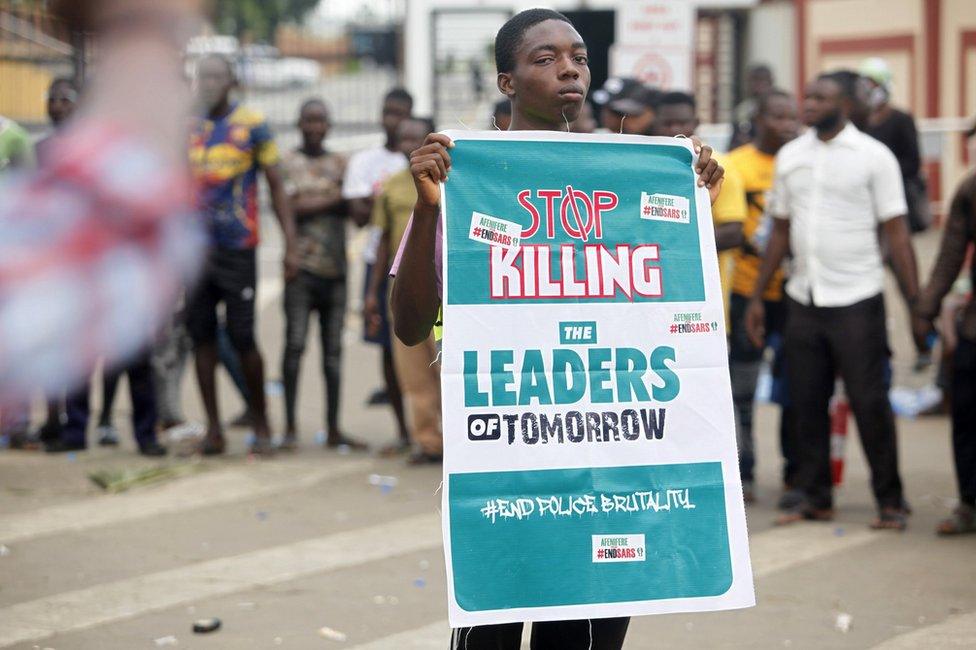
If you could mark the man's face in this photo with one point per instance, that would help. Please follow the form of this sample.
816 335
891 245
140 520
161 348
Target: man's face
214 82
760 82
61 102
823 104
552 74
674 120
410 136
778 120
394 112
314 124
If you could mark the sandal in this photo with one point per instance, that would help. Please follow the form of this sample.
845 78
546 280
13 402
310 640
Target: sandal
288 443
395 449
804 514
891 519
962 522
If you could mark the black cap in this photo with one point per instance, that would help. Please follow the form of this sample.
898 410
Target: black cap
625 95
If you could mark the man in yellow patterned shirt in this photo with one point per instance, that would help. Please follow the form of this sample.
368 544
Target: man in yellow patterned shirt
776 124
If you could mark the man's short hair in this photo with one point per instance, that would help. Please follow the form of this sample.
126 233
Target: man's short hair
226 60
846 79
70 82
399 95
313 101
502 107
677 98
762 104
510 36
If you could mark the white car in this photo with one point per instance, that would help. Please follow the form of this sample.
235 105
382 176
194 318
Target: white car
263 67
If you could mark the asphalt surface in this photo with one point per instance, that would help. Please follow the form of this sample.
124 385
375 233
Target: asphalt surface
280 549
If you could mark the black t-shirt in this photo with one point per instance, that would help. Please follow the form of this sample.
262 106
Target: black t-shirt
898 133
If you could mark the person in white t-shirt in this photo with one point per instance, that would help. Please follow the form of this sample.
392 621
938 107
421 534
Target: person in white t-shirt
365 175
835 189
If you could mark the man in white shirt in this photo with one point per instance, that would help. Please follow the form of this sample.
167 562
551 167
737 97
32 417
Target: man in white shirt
834 187
365 175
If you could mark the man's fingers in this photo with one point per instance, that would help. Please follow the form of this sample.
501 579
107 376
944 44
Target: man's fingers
437 163
704 156
428 167
441 139
713 172
435 149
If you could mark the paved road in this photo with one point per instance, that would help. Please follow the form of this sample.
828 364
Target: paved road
280 549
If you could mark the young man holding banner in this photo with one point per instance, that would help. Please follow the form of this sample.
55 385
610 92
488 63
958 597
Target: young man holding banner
499 578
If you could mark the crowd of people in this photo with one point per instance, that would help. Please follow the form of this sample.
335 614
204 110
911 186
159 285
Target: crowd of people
838 199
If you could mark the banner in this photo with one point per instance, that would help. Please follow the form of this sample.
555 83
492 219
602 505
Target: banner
590 462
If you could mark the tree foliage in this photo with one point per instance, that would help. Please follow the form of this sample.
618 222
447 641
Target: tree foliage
259 18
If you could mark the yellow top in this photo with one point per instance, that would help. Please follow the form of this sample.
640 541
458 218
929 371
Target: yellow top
757 170
730 207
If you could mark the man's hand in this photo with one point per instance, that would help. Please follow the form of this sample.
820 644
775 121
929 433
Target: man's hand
430 165
290 263
756 322
710 173
371 315
922 329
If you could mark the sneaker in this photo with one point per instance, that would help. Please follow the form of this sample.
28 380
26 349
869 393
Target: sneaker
153 449
108 436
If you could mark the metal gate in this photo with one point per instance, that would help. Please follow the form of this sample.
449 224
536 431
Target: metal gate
463 43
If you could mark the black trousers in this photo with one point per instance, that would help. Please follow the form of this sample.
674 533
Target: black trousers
964 419
230 277
594 634
852 341
142 393
745 361
305 294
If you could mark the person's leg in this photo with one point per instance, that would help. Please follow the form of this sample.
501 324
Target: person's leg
860 344
487 637
421 387
75 428
237 281
108 436
810 371
110 384
298 305
144 413
231 361
745 360
201 323
964 419
167 361
587 634
331 304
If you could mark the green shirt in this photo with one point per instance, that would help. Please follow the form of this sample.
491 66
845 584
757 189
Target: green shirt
16 149
394 206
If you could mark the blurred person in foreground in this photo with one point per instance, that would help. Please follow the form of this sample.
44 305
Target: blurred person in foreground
16 153
959 236
776 124
626 106
896 129
759 82
676 116
836 193
97 243
415 365
365 175
313 178
230 145
543 68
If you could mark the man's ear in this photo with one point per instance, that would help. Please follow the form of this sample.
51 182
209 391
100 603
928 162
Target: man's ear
506 84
